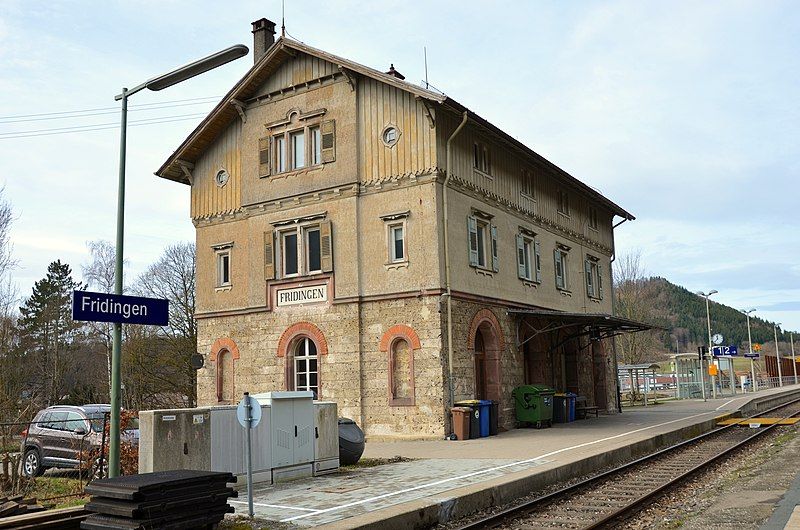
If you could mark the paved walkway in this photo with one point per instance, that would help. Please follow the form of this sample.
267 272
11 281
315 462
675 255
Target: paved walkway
445 470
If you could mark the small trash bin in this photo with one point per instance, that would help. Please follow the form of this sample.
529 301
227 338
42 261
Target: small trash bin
475 416
485 406
494 418
570 405
533 404
560 408
461 419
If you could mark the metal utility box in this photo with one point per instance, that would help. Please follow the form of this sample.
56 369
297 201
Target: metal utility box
189 434
326 433
228 444
291 434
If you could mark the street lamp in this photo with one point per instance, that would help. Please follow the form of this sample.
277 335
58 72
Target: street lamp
708 319
754 384
794 360
778 354
157 83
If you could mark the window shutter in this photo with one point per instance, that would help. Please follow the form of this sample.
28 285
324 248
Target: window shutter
600 281
587 265
559 269
472 227
263 156
328 130
269 256
326 246
521 257
495 261
537 261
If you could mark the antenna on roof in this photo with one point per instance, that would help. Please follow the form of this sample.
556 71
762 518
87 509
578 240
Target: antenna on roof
283 18
425 52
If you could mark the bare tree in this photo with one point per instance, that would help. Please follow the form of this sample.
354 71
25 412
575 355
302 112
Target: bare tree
99 275
634 301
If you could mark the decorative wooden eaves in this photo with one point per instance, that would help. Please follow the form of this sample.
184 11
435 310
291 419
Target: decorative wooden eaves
351 80
187 168
240 108
429 112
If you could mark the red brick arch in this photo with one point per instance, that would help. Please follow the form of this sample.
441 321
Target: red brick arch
482 318
400 331
299 329
224 343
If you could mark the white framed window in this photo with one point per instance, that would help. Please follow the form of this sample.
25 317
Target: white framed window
390 135
280 153
297 146
482 159
594 277
482 243
222 255
315 139
303 249
397 242
562 278
306 371
529 260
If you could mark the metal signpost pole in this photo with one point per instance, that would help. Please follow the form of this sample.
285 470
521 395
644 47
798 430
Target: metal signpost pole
708 319
778 354
794 360
248 416
753 383
702 371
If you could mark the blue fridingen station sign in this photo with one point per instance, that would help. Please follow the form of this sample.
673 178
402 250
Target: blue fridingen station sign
103 307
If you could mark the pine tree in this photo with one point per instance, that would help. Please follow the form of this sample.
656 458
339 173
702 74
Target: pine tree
47 329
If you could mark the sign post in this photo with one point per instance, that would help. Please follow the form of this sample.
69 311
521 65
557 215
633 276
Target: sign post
249 417
701 351
119 309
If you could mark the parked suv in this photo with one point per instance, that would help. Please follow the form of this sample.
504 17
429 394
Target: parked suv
63 435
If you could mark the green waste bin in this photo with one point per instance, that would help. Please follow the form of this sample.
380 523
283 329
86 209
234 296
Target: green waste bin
533 404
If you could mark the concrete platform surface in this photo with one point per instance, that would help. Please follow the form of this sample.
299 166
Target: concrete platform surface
451 478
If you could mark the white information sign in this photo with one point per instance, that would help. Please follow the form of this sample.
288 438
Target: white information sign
302 295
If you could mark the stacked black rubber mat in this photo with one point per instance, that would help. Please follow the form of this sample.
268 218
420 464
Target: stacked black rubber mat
165 499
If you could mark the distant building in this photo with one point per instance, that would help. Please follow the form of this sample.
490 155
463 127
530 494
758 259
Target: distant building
354 239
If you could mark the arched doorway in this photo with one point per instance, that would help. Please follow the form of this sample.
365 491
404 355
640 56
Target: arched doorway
486 345
480 367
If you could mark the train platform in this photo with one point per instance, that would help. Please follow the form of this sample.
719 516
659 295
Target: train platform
449 479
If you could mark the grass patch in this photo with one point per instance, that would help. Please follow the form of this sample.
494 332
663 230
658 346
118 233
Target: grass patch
373 462
241 522
62 492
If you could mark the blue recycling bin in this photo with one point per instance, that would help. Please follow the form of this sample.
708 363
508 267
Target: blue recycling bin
571 402
485 406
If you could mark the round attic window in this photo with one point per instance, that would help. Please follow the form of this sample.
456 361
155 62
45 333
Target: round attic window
222 178
390 135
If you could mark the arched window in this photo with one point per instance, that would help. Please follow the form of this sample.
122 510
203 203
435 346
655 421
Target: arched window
304 373
225 390
402 373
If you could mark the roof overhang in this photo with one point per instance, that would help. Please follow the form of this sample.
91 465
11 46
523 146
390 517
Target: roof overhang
596 326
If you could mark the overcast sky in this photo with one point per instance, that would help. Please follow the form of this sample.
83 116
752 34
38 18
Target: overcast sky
684 113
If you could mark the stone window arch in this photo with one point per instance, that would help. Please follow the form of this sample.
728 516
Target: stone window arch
302 346
224 353
400 342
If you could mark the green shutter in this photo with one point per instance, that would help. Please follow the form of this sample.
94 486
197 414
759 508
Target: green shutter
537 260
521 257
559 266
587 265
600 281
495 261
472 229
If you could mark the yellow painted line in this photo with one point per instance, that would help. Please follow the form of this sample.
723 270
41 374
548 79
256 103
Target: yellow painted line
760 421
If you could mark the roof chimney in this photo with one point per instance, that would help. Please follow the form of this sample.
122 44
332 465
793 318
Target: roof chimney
263 37
395 73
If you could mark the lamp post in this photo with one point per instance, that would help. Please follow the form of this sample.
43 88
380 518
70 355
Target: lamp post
176 76
794 360
754 384
778 354
708 319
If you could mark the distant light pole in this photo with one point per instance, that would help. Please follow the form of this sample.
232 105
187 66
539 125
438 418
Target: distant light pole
754 384
710 347
176 76
794 360
778 354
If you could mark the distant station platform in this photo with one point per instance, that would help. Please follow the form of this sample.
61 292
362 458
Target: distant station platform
447 479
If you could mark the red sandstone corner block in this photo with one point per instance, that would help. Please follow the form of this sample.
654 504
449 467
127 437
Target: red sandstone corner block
224 343
485 315
302 328
402 331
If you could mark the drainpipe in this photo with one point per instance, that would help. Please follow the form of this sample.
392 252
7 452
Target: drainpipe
614 312
449 164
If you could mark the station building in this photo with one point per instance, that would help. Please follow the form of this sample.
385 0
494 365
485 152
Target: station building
384 246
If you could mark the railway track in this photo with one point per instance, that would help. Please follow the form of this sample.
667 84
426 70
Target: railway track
610 497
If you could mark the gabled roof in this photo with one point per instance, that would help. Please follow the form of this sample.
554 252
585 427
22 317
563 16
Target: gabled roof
284 49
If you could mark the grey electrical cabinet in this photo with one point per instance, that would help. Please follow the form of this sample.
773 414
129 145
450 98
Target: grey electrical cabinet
187 433
228 447
292 432
326 434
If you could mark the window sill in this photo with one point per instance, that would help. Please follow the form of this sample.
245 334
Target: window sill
530 283
401 402
223 288
595 299
526 196
483 173
292 172
484 272
564 214
394 265
564 292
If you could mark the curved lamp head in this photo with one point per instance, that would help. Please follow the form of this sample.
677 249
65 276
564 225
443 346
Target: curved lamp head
198 67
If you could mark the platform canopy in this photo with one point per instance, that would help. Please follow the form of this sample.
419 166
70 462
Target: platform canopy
597 326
